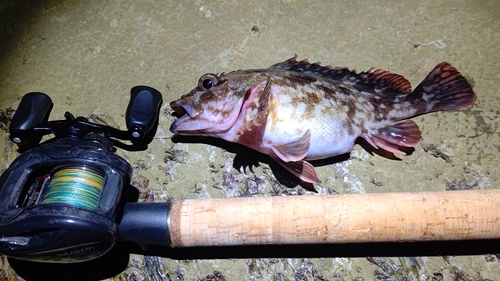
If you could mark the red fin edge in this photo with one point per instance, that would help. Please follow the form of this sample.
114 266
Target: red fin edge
386 81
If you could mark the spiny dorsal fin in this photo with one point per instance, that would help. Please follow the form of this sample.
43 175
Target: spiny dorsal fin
316 69
375 78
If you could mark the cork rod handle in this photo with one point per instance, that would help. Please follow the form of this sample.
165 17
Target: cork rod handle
380 217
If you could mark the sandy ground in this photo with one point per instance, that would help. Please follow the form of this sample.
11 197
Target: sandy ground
88 54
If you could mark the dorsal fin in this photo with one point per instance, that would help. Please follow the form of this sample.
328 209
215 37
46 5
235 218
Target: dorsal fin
375 78
316 69
385 81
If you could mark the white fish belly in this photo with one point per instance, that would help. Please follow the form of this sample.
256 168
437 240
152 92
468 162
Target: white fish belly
329 135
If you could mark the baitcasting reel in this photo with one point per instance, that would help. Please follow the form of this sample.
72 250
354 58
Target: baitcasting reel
59 200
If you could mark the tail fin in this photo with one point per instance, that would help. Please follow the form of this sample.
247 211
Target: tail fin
444 89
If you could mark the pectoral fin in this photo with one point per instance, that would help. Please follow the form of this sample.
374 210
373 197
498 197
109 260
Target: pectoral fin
291 155
293 151
301 169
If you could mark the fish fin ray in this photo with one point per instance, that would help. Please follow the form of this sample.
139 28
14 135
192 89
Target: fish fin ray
304 66
385 81
301 169
444 88
293 151
403 133
375 78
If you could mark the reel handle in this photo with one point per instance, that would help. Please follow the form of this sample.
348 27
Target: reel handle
142 111
33 110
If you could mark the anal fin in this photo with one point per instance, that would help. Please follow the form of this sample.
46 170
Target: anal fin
403 133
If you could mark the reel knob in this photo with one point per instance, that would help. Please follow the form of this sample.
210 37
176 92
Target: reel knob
33 110
142 111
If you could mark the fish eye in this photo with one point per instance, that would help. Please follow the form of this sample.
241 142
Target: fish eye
207 81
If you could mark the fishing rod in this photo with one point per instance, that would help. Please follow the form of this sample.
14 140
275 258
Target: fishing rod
64 200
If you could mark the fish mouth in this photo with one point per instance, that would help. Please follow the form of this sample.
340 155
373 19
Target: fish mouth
184 112
179 110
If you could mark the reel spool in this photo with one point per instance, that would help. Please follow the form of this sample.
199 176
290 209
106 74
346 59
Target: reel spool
76 186
59 200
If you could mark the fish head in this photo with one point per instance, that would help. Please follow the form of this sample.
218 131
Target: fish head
213 107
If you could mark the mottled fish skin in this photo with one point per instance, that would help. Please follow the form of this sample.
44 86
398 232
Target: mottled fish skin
296 111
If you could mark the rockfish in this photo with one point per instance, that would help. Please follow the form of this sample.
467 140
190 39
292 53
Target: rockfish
296 111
